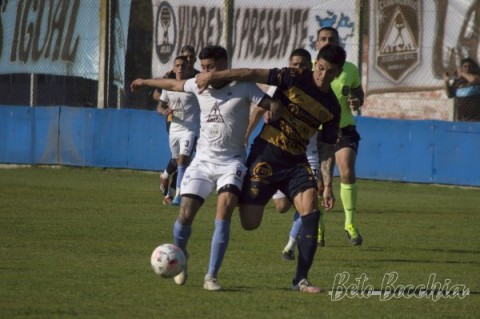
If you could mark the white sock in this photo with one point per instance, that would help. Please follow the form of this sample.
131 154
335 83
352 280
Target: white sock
292 242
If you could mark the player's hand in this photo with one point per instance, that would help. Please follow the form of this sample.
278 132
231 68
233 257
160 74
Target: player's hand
275 111
136 84
328 200
354 103
203 81
164 111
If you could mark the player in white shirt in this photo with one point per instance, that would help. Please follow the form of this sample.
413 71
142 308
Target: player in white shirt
220 154
185 124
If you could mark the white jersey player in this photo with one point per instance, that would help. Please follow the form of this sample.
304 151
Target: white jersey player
184 127
220 154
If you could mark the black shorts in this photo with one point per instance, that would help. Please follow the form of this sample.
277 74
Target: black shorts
348 137
264 178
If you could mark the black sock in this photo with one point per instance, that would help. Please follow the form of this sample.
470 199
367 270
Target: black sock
307 245
173 182
172 166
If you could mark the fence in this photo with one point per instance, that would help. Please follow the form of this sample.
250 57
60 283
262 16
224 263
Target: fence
402 47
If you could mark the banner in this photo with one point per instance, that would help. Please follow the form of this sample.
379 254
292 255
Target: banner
412 43
121 19
58 37
263 33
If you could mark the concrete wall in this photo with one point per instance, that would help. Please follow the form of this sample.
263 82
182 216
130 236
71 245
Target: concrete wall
424 151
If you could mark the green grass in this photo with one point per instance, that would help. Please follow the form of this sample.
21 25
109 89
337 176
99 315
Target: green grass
76 242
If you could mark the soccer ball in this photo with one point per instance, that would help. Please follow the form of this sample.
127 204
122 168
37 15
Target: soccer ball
167 260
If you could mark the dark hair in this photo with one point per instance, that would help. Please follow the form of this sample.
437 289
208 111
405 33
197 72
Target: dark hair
214 52
181 57
301 52
475 66
333 53
188 48
332 29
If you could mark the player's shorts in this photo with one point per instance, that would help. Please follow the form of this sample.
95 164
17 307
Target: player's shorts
313 161
348 137
201 177
264 179
182 143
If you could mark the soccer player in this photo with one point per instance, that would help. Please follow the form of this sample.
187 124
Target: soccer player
301 59
219 159
349 92
171 170
277 159
184 127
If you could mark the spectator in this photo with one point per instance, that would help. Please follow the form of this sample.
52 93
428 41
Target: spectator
464 86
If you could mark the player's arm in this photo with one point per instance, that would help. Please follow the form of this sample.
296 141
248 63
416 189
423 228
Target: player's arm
163 109
327 163
328 137
248 75
273 107
165 84
255 117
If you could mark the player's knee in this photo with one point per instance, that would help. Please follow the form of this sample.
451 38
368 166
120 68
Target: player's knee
250 218
282 208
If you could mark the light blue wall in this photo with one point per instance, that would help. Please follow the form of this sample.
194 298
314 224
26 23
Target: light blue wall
398 150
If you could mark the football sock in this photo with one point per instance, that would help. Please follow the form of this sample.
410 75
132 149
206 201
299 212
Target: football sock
294 231
181 234
307 245
220 239
173 183
349 193
180 172
172 166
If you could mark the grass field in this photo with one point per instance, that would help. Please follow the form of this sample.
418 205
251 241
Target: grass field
76 242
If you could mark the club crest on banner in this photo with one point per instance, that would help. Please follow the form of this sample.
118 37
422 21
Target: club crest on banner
165 32
398 37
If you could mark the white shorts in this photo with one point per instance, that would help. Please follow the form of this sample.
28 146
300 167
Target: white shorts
182 143
201 176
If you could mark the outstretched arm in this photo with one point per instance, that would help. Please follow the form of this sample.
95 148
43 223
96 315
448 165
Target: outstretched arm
327 163
165 84
204 79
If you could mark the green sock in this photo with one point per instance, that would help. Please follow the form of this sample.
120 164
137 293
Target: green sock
348 193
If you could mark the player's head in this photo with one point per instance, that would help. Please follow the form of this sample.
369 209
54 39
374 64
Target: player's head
300 59
213 58
189 52
181 67
327 35
329 64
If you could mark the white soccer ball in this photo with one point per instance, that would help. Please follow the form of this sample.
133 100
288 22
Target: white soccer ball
167 260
